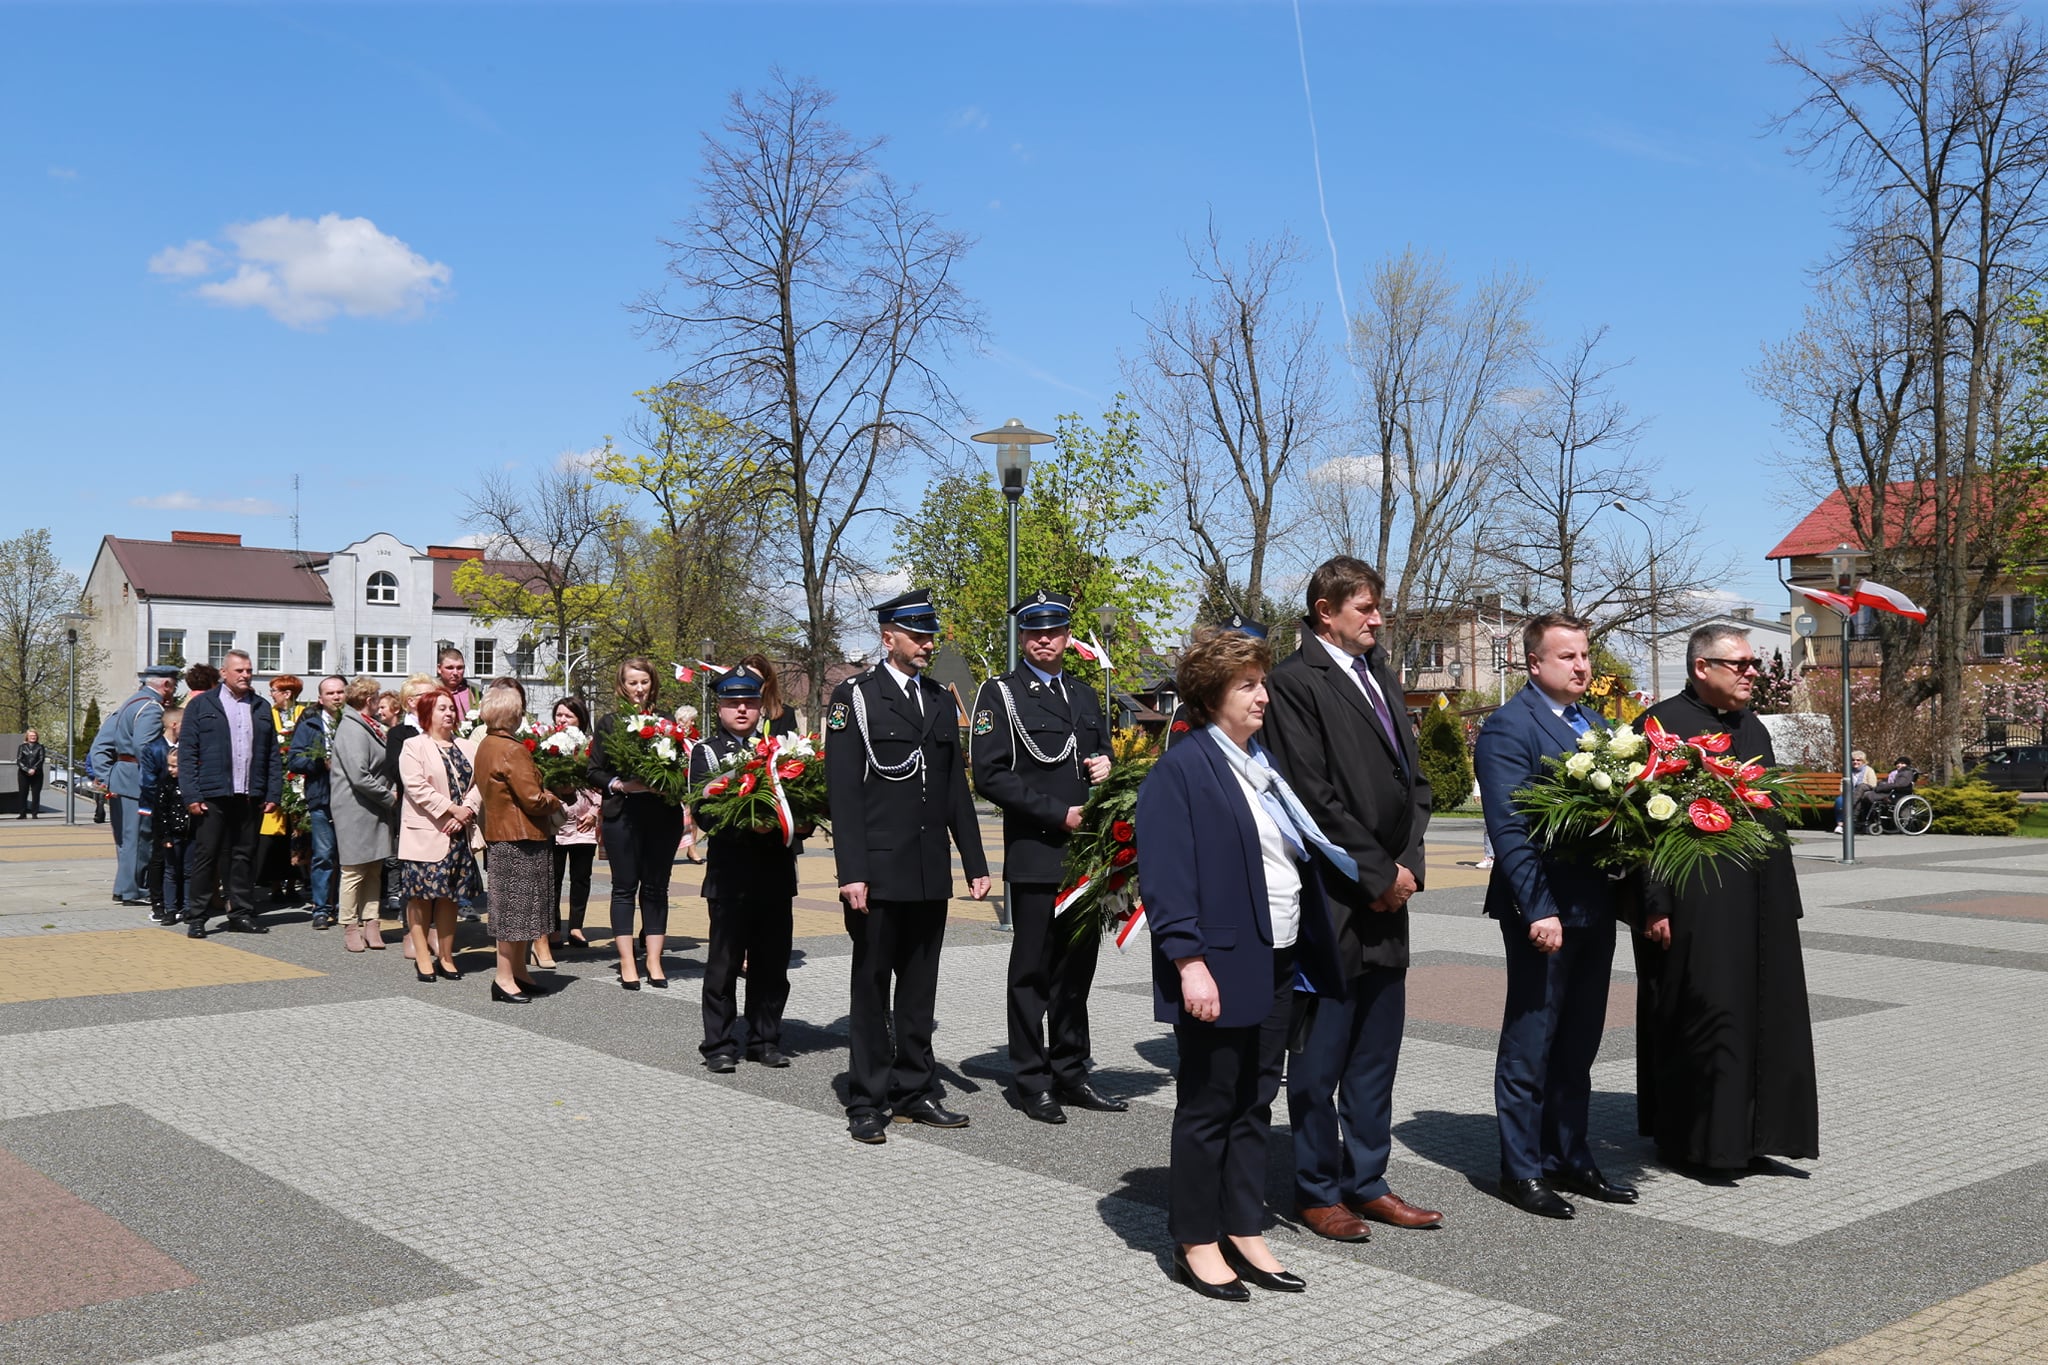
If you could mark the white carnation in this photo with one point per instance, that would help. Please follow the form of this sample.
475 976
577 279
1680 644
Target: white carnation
1601 782
1578 765
1661 807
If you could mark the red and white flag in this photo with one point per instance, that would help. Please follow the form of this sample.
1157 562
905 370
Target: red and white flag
684 675
1091 649
1842 604
715 670
1869 594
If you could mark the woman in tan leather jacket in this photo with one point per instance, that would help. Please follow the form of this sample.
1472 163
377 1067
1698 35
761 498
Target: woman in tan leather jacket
519 816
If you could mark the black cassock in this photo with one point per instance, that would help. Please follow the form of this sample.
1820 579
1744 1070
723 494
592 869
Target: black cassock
1724 1042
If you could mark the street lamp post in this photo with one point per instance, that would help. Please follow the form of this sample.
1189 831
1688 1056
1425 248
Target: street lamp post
1844 559
1650 538
1458 676
71 620
1013 441
1105 617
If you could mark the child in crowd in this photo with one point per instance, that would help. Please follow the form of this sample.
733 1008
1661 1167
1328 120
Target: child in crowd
170 842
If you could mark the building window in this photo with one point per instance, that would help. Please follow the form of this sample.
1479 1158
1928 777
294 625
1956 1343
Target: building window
2005 619
170 648
519 660
382 587
483 657
218 643
316 656
269 651
1429 655
383 654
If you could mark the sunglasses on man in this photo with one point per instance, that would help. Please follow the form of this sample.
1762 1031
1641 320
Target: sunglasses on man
1750 665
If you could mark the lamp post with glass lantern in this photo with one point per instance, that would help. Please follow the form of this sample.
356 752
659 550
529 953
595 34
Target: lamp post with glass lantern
1845 559
1013 441
704 687
1105 618
72 620
1650 538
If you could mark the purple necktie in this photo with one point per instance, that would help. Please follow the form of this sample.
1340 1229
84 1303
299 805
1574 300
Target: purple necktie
1379 705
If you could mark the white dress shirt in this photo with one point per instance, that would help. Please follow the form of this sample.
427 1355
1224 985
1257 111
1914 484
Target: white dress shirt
1283 874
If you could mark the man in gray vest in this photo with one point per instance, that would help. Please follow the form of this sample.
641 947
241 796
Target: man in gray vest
136 723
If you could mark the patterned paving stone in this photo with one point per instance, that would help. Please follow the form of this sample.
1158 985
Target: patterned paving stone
2003 1323
53 966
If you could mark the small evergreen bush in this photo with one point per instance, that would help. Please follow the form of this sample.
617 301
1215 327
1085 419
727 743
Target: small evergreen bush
1444 760
1973 807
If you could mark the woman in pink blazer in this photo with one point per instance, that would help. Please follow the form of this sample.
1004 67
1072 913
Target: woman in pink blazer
437 833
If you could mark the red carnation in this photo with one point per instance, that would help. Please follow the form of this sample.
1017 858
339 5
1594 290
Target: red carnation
1124 857
1116 881
647 732
1709 816
791 770
747 784
1122 832
530 745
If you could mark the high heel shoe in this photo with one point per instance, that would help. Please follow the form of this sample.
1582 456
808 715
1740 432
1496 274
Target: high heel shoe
509 997
1231 1291
659 983
628 985
1279 1281
446 972
535 988
426 978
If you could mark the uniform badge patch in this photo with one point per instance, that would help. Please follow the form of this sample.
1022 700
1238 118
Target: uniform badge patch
837 720
984 721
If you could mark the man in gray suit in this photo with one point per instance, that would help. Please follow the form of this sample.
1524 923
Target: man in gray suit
136 724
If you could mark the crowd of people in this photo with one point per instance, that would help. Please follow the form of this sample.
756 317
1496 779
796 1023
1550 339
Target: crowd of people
1283 843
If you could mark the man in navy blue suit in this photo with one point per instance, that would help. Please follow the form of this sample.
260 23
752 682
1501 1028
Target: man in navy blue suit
1557 922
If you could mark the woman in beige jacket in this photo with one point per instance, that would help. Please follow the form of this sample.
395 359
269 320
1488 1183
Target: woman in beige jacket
437 833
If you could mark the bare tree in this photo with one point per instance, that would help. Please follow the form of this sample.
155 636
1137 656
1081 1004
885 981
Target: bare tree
1931 118
816 302
1578 455
546 574
35 590
1435 362
1234 384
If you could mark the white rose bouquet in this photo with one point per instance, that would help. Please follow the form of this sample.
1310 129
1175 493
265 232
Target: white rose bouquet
1625 799
563 756
653 750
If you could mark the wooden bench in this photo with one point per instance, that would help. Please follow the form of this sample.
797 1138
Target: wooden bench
1818 789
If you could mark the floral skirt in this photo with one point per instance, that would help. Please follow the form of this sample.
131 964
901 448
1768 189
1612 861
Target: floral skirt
523 895
453 878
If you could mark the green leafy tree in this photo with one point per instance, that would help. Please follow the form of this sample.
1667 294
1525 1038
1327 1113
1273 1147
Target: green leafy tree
1078 532
35 591
1444 760
546 575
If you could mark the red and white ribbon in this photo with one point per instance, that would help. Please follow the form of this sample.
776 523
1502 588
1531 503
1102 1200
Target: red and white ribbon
1130 926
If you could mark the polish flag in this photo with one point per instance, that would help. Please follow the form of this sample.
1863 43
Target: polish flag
1844 605
1869 594
715 670
1091 649
684 675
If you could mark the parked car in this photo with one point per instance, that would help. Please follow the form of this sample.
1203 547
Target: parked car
2015 767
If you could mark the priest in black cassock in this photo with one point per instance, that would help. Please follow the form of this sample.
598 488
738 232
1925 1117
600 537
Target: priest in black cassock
1724 1043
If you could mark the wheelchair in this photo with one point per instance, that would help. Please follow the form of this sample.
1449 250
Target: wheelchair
1895 812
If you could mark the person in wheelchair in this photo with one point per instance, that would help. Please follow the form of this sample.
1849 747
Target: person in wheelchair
1874 806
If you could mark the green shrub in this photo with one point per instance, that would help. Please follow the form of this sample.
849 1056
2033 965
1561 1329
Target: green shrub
1973 807
1444 760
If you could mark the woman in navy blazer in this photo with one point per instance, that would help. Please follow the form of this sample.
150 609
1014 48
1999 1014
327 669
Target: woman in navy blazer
1212 858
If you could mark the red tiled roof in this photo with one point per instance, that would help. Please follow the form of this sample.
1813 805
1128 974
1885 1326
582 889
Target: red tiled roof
1829 525
210 572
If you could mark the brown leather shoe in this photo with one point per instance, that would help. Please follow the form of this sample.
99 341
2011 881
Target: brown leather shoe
1335 1222
1392 1208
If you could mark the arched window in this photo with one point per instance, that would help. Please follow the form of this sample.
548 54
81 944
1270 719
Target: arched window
383 587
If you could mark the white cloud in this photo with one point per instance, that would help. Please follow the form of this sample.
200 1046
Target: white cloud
585 460
183 262
63 173
303 271
972 119
181 501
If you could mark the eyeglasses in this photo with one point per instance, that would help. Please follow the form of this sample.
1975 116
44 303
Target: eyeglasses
1751 665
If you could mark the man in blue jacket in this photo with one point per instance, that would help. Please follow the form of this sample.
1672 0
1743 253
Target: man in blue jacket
312 744
1557 922
230 776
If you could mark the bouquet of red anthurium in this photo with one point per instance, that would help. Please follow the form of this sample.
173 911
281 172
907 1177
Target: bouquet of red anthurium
652 750
1100 888
1651 799
775 784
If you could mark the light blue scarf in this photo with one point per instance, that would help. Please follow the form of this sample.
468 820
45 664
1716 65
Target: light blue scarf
1297 826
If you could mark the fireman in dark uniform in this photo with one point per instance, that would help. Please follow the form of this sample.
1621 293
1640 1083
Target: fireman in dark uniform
1039 742
897 787
750 882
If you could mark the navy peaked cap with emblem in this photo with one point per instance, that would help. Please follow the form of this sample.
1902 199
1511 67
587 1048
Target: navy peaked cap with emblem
158 671
1044 610
912 611
1243 625
741 682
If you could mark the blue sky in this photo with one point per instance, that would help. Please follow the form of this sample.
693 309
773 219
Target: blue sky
529 157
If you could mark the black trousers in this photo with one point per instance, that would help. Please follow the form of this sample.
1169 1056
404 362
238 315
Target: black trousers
1223 1109
223 868
640 842
889 1053
758 930
32 796
153 869
575 859
1048 993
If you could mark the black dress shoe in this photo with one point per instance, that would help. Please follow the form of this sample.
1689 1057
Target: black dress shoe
868 1128
1593 1185
535 988
509 997
769 1056
931 1114
447 973
1230 1291
1535 1196
721 1064
1040 1105
1086 1096
628 985
659 983
247 924
426 978
1279 1281
195 929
